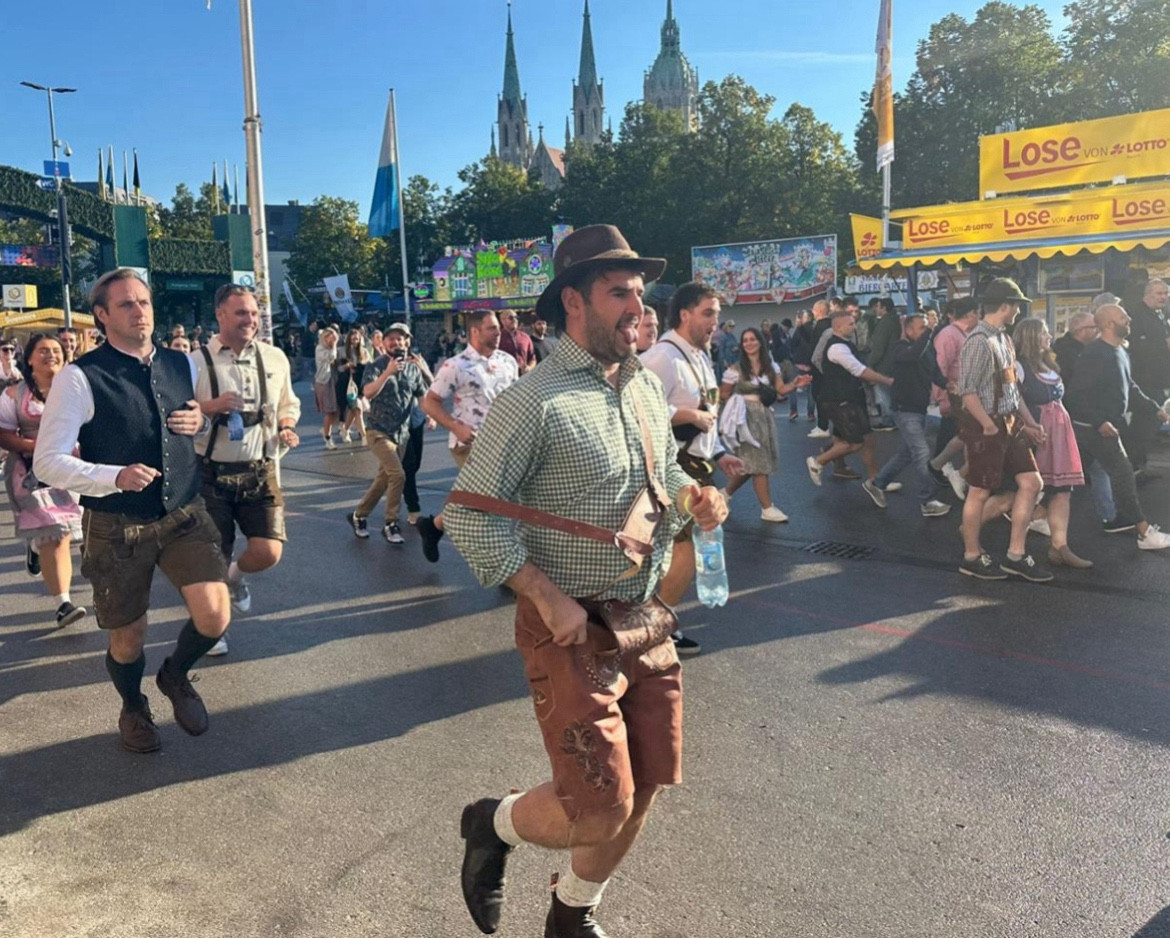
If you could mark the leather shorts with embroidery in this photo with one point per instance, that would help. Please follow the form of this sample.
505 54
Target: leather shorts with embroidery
610 722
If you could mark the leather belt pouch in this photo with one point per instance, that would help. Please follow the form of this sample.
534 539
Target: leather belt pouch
635 627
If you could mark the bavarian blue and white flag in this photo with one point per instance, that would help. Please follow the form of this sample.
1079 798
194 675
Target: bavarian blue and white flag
385 212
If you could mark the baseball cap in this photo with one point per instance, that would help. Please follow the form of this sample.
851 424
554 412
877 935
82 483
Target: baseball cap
1002 290
399 327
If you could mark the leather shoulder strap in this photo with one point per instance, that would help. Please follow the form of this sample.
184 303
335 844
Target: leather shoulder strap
544 519
213 378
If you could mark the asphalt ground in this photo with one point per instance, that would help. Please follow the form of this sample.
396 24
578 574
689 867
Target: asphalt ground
874 747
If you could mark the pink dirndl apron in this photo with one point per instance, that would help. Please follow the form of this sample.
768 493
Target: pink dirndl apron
1059 459
43 514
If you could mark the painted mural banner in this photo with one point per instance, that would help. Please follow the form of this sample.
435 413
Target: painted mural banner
1135 146
1124 211
510 270
768 271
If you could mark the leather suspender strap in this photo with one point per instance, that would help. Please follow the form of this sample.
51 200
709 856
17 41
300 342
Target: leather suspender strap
690 364
218 418
544 519
648 453
260 377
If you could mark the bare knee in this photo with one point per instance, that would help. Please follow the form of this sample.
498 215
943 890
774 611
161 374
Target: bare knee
263 553
1030 483
600 827
126 643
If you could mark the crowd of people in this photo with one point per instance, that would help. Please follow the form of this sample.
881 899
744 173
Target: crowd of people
588 450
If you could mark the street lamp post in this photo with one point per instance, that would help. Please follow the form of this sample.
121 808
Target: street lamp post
62 207
255 173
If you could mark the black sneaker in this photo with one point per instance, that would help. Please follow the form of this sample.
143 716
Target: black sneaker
685 647
392 533
1027 568
67 614
982 568
431 534
1118 525
360 528
32 561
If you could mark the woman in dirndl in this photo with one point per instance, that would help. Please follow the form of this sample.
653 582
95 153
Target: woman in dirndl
48 519
1058 458
748 391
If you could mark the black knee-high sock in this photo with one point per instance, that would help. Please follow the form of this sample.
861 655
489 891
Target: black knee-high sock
127 679
190 647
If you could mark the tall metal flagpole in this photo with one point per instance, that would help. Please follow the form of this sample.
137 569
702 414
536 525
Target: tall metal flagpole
401 214
255 173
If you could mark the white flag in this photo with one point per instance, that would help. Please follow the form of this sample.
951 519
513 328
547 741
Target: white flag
338 290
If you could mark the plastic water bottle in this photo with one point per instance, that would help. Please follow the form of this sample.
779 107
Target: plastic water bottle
235 426
710 570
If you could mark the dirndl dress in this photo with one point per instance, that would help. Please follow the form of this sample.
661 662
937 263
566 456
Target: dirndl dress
1059 457
43 514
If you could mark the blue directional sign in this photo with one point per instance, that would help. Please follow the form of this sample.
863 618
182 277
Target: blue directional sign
57 168
47 182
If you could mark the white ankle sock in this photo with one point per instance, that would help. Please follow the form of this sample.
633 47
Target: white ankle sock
503 821
234 573
62 598
579 893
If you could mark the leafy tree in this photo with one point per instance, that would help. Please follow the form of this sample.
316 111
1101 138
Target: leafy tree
1004 68
498 201
188 217
1118 54
332 240
17 230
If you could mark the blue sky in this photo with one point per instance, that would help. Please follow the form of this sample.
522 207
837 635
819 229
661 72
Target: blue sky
165 76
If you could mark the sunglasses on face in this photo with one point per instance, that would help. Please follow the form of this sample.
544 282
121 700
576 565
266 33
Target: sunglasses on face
7 351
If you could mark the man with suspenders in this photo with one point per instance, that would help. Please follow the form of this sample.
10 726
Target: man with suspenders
245 388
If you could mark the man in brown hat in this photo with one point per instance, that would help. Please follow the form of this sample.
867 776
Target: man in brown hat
579 440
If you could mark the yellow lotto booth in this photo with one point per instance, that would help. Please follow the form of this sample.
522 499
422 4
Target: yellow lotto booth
21 324
1072 210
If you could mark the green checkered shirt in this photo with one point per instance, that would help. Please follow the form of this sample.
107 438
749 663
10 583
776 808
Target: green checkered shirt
563 440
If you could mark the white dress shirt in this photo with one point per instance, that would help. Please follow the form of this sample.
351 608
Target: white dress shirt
677 363
68 407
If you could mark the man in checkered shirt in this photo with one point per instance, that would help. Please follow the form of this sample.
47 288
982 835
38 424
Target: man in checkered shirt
567 440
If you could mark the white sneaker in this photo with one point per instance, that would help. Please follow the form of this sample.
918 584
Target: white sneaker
240 594
772 513
412 517
958 483
934 509
1153 539
816 433
1040 526
329 444
892 487
814 469
218 649
345 436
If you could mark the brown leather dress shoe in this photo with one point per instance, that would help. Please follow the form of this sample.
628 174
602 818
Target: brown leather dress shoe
1063 556
189 710
566 921
484 856
137 730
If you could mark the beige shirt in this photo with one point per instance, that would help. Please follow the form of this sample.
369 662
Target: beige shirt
240 373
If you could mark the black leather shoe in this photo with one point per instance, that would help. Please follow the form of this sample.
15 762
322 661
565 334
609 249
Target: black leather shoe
484 856
137 730
566 921
431 534
189 710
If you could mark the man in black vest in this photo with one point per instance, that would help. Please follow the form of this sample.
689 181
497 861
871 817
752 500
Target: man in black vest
127 410
842 400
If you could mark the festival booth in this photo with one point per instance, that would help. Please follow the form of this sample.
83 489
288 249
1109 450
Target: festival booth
24 323
767 280
1101 231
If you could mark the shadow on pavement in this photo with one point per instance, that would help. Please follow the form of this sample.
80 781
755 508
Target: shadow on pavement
45 781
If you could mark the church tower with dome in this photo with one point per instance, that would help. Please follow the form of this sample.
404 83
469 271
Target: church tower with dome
672 84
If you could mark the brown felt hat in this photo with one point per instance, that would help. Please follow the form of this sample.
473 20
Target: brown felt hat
582 251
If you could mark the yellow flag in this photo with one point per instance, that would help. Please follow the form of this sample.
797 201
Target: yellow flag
883 86
867 236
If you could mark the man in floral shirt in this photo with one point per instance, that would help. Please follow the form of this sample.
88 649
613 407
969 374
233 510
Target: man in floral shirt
469 382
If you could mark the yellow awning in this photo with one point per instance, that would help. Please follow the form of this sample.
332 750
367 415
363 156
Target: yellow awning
10 319
1018 251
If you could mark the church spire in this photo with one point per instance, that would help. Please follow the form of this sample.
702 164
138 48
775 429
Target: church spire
493 150
511 72
588 95
587 74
